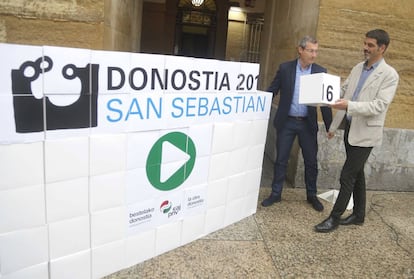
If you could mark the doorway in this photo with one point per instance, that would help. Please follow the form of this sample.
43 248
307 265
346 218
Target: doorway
195 29
195 45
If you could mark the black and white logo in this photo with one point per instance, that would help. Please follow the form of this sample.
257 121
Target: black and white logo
29 111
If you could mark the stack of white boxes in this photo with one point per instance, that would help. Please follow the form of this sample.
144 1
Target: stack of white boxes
64 200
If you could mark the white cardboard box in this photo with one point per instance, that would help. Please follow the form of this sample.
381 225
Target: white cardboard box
319 89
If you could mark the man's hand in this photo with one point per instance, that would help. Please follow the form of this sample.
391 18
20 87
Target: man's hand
340 104
330 135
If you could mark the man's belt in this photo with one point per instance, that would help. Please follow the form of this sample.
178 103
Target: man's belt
300 118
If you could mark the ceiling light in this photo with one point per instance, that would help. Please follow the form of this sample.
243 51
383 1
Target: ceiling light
197 3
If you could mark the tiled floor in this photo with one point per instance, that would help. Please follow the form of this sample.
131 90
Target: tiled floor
279 242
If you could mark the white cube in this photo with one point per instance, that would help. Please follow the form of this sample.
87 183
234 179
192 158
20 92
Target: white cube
319 89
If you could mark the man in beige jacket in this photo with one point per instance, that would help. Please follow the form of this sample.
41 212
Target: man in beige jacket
366 95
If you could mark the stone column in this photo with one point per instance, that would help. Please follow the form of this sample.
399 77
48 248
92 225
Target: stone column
285 23
122 21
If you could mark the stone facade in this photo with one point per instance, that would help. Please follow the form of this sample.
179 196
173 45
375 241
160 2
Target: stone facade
57 23
236 41
341 29
91 24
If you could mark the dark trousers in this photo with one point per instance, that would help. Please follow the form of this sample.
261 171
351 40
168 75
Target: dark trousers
309 144
352 179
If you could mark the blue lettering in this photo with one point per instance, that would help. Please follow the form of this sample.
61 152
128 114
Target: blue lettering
215 106
134 104
250 105
261 103
227 104
202 106
150 104
118 112
190 106
237 98
180 109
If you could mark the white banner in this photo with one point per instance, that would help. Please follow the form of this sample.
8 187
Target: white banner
50 92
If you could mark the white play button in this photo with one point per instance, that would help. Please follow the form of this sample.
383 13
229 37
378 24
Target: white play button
172 159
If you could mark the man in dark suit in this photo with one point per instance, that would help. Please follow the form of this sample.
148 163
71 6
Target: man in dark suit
293 119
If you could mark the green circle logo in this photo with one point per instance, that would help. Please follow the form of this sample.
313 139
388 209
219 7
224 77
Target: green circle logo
170 161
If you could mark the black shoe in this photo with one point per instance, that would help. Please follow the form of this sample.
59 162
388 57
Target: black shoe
271 200
316 204
351 220
327 225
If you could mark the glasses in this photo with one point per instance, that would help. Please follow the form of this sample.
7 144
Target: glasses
311 50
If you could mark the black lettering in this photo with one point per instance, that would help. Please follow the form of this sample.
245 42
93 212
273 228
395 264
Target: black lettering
207 74
193 79
111 86
132 78
240 84
161 83
174 79
225 82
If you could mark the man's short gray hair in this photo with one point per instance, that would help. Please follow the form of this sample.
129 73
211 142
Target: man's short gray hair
307 39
